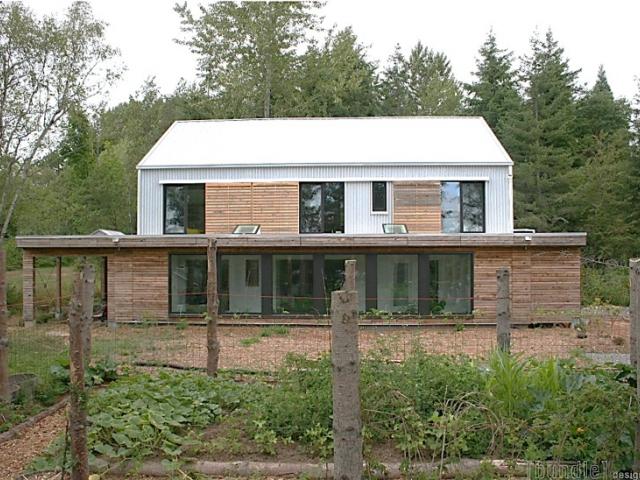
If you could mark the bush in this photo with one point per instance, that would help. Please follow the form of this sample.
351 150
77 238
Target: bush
605 285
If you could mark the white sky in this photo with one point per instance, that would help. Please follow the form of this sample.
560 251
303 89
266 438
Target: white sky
591 32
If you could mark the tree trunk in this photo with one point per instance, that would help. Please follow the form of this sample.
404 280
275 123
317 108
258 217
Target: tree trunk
77 397
5 394
88 287
347 423
213 344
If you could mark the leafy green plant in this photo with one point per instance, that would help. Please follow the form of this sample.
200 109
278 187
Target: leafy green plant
277 330
182 324
247 342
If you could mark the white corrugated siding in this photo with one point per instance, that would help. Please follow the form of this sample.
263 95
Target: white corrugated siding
358 217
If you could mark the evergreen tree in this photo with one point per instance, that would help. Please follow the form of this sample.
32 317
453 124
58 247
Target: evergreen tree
540 137
247 52
337 80
422 84
494 93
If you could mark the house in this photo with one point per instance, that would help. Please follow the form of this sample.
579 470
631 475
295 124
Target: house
424 204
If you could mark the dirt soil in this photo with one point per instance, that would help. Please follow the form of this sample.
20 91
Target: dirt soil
16 454
257 348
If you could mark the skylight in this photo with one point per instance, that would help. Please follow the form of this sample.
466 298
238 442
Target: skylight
394 228
246 229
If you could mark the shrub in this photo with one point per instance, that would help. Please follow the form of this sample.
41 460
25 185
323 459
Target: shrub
605 286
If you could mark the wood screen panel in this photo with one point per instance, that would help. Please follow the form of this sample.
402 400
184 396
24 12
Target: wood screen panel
417 205
274 206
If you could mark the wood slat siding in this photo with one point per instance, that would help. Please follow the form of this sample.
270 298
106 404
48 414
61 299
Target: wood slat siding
138 285
28 288
274 206
417 205
545 283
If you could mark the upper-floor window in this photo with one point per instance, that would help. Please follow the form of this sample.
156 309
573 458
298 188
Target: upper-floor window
322 207
462 206
378 196
184 208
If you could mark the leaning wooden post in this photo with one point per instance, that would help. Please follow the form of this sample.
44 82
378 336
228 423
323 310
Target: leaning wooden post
503 310
5 394
88 288
77 395
213 344
634 344
347 423
58 288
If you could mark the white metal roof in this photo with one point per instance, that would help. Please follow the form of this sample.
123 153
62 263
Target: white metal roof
327 141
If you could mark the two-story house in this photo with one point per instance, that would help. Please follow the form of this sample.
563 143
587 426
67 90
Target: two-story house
424 204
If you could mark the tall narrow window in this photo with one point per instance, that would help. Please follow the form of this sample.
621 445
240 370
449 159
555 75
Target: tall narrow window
379 196
322 207
463 208
188 277
184 208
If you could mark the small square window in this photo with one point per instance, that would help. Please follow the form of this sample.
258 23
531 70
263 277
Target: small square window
394 228
246 229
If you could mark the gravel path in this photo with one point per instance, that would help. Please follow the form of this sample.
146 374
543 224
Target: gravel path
16 454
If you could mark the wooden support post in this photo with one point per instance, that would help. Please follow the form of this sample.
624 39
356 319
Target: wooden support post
58 288
345 359
213 344
77 396
28 289
88 288
104 288
503 310
5 394
634 343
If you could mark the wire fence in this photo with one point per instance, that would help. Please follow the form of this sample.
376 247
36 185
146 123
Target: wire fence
255 343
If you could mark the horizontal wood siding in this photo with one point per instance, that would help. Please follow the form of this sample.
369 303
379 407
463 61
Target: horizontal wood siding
274 206
417 205
545 283
138 285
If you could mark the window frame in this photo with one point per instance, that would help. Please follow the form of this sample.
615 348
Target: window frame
185 207
322 211
386 198
461 200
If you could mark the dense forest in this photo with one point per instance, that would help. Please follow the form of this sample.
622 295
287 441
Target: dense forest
576 147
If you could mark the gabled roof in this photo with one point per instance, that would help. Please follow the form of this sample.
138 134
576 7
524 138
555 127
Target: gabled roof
327 141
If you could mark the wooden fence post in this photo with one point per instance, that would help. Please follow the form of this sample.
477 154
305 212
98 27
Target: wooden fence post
347 423
634 344
86 320
58 288
77 394
503 310
5 395
213 344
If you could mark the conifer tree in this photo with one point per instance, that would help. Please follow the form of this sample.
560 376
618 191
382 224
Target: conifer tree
494 93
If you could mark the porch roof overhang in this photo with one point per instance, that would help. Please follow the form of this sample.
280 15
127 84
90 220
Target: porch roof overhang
308 241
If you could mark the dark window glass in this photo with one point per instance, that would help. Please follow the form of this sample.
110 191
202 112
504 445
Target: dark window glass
379 196
293 284
252 272
311 208
397 280
462 207
473 207
188 286
450 283
184 208
334 277
322 207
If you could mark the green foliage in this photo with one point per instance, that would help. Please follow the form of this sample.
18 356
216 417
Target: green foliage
277 330
605 285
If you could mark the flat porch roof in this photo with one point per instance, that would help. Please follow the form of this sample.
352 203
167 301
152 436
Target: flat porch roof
231 241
